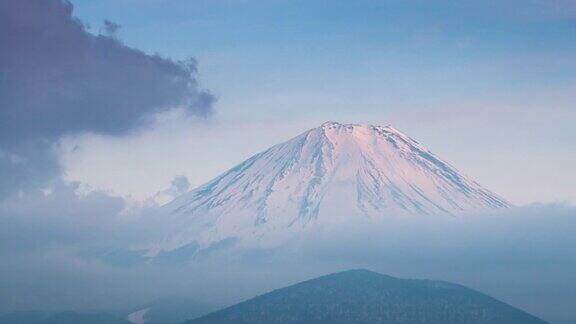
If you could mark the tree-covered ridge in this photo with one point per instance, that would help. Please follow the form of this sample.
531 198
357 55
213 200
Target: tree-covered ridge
362 296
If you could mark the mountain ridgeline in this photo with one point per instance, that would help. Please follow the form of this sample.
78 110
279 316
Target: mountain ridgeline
326 176
361 296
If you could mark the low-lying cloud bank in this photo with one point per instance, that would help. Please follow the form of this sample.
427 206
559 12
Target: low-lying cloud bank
54 246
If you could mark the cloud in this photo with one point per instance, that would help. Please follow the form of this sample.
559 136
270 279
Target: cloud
61 250
178 186
58 218
110 28
523 256
30 165
56 79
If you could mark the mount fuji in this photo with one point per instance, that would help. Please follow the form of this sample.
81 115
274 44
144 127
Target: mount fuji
325 176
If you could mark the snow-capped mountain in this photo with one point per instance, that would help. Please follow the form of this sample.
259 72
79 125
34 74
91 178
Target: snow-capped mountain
324 176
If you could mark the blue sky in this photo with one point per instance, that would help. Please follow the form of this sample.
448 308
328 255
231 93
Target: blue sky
488 85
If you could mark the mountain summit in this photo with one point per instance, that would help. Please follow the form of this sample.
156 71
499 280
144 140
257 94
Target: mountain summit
324 176
362 296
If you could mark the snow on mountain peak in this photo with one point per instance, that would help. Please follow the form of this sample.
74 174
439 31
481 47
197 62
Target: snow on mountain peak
324 176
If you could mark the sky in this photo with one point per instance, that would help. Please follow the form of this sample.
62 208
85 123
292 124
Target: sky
110 108
487 85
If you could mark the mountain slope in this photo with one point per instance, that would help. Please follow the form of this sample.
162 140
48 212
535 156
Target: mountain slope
325 176
361 296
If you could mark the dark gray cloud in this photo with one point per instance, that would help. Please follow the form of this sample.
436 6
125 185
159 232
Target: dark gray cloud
56 79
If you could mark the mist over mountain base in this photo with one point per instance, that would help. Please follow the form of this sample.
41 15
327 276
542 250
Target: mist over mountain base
502 254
